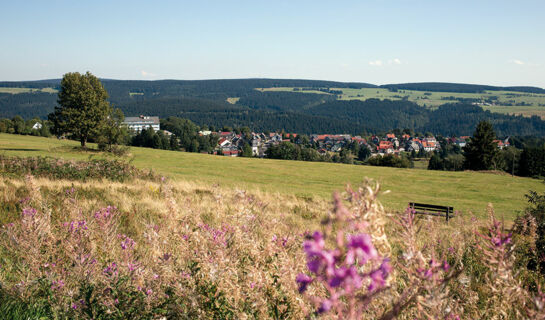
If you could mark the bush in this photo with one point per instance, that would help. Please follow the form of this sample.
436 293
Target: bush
391 160
114 170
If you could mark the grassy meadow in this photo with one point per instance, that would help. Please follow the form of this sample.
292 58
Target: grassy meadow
179 249
26 90
466 191
526 104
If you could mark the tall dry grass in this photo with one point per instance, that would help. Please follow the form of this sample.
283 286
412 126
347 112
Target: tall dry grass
144 249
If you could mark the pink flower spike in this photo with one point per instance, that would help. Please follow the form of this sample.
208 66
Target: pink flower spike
303 281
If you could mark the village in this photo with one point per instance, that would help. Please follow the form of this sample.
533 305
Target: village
231 143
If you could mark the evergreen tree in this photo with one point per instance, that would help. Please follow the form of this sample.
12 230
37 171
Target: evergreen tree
481 150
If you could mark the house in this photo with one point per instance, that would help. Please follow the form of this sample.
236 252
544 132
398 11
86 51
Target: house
412 146
167 133
336 148
230 153
359 140
224 143
385 147
37 126
291 135
429 145
502 143
141 122
459 142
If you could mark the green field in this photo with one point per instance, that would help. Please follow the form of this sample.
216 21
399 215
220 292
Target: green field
26 90
463 190
526 104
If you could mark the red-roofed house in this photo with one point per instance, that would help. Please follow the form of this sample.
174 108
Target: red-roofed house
230 153
429 145
386 147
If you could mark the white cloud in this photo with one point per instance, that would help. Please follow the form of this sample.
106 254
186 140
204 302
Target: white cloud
147 74
376 63
380 63
516 61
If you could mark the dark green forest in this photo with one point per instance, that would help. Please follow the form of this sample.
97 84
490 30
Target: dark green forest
204 102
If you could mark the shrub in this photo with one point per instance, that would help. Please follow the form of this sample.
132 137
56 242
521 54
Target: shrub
52 168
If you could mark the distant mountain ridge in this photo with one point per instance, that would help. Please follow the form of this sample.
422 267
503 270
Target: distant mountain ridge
267 82
315 111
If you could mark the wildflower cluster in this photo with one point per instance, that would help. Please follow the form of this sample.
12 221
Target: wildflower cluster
353 271
341 270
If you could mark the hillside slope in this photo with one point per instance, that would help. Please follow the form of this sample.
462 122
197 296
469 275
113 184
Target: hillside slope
466 191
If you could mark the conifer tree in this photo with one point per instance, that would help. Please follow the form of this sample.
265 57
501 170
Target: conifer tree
481 150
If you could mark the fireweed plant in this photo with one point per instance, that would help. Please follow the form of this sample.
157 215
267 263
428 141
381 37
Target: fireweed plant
353 272
180 250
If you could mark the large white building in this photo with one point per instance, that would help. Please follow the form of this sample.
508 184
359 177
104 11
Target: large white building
141 122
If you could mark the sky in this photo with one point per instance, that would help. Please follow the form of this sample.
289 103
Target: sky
375 41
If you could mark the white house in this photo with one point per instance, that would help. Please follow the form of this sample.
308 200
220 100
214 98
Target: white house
142 122
37 126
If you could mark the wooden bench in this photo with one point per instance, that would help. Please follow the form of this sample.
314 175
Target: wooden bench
432 210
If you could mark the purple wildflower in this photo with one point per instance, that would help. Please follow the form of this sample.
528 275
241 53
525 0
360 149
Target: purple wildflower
325 306
379 276
361 247
303 281
111 270
127 242
29 212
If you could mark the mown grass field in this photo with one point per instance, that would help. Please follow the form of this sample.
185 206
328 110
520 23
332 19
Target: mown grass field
526 104
466 191
26 90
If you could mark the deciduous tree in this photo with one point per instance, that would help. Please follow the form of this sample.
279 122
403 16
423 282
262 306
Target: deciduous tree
82 106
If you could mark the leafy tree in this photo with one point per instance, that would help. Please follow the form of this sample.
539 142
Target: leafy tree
284 150
481 149
390 160
435 163
532 162
246 150
364 153
173 143
82 106
346 156
112 131
453 162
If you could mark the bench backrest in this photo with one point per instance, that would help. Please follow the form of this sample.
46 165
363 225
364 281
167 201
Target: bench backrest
431 209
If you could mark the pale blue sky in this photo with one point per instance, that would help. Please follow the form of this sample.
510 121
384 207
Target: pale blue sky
377 41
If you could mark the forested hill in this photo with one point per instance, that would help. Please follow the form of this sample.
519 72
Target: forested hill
458 87
316 109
